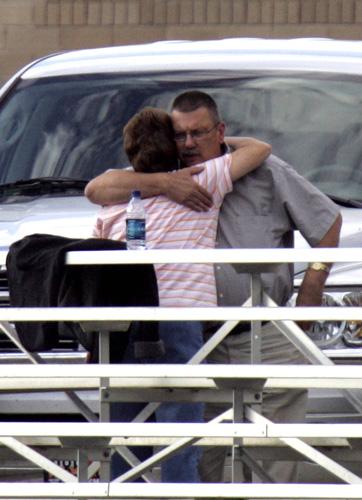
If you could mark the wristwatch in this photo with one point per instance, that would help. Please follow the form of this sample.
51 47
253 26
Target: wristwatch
318 266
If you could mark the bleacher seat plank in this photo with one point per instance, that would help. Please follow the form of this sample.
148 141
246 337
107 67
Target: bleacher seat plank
166 375
178 491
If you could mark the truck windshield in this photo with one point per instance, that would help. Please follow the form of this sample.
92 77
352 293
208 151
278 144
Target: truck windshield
72 126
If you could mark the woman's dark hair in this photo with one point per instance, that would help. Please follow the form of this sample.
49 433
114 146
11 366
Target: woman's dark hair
149 141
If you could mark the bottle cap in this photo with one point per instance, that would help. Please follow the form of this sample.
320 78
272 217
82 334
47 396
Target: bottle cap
136 193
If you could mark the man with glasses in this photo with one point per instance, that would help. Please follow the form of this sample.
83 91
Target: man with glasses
262 211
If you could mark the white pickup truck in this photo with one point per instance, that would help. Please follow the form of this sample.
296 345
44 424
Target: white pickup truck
61 119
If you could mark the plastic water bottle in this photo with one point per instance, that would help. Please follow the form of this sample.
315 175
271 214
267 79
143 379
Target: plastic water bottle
136 223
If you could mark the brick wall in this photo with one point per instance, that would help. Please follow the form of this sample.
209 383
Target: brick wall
33 28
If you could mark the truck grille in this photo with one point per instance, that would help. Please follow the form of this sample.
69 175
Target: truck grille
5 343
4 289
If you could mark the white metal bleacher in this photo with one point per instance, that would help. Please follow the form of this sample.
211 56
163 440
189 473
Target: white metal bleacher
241 385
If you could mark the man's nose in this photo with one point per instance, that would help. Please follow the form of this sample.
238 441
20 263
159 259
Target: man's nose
190 141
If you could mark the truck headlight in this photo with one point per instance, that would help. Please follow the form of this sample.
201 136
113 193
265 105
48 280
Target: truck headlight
335 334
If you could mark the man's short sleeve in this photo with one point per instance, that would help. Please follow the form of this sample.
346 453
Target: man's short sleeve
311 211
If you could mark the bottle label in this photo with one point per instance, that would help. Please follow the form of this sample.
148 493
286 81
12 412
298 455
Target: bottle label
136 229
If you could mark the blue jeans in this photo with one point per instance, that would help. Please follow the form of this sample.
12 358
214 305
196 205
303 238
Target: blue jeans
182 340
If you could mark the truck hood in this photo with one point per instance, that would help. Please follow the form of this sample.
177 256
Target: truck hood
351 237
70 216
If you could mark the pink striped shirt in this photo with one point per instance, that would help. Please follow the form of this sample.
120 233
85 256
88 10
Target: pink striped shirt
170 225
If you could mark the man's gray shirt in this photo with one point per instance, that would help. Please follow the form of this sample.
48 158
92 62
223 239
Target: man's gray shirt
262 211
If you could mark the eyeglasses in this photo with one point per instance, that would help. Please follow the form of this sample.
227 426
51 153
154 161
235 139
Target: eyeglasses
196 135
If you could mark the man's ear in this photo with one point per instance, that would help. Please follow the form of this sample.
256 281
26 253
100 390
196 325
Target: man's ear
221 132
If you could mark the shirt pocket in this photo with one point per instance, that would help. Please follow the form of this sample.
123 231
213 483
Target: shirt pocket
246 231
254 231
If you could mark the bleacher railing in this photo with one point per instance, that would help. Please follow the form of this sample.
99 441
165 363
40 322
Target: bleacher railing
236 383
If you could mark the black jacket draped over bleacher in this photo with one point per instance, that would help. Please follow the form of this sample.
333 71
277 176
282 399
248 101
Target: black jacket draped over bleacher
39 277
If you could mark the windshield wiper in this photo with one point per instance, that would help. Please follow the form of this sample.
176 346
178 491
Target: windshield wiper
345 202
42 185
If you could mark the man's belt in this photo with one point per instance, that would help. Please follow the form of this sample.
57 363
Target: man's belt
241 327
